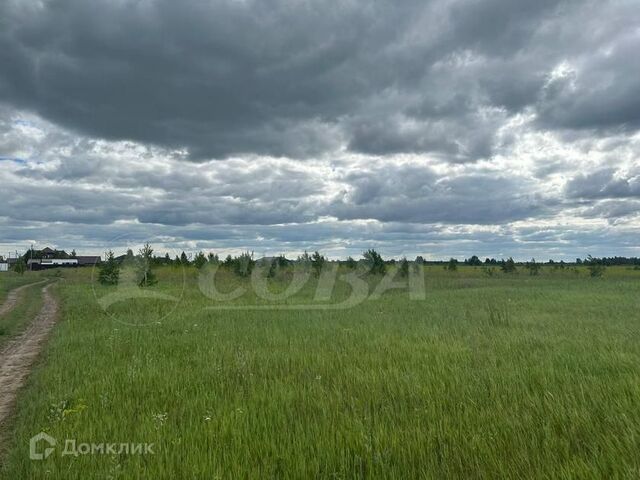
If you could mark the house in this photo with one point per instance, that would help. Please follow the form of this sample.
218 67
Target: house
47 252
44 263
88 260
51 258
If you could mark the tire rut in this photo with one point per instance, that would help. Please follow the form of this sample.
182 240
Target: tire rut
18 356
13 296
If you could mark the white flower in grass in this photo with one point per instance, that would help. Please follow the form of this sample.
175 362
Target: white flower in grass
160 419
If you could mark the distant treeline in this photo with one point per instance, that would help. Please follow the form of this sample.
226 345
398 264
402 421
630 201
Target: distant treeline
202 258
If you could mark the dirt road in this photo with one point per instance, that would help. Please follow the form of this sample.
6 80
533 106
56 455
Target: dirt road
17 357
14 296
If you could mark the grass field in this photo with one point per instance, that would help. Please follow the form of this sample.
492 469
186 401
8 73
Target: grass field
510 376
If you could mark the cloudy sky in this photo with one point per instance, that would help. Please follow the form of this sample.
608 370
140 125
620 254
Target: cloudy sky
433 127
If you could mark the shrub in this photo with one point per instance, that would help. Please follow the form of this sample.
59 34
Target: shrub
488 271
452 265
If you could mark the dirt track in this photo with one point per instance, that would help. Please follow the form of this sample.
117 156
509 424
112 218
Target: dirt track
13 296
17 357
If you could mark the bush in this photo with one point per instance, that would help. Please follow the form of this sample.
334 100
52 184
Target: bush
452 266
109 270
488 271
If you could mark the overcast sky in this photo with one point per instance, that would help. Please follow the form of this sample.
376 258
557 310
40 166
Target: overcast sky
433 127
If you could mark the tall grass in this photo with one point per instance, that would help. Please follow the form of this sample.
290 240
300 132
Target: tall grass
511 376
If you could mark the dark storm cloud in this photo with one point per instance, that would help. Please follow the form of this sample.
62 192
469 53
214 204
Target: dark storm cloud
603 183
299 78
436 127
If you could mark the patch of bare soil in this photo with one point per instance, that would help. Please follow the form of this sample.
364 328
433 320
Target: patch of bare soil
17 357
13 297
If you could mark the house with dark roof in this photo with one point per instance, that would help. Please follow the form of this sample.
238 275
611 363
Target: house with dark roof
88 260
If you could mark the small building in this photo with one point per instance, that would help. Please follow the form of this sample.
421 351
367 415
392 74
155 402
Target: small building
4 267
88 260
41 264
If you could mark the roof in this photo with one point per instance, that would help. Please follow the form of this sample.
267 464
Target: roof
88 259
47 250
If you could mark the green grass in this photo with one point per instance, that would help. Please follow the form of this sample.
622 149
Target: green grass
505 377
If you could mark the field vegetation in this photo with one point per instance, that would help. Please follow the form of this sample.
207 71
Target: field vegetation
500 375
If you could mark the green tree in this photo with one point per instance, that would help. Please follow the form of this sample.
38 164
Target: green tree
317 262
509 266
351 263
452 265
304 260
595 266
474 261
184 260
213 258
404 267
533 267
282 261
243 264
200 260
273 268
145 274
109 270
20 267
374 262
